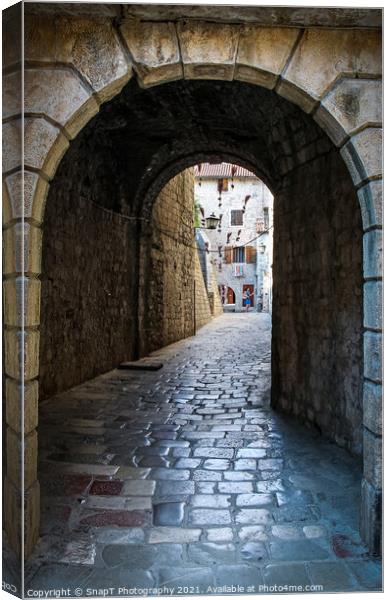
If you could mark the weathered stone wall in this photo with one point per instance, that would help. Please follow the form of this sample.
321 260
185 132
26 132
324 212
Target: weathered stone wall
88 282
317 315
167 267
207 265
202 305
90 294
213 288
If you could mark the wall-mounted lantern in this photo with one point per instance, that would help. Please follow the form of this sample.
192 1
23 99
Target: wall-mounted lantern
262 248
212 221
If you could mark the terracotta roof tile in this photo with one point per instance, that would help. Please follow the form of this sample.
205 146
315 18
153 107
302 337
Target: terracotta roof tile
221 170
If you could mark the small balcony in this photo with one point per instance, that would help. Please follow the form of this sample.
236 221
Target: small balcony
238 269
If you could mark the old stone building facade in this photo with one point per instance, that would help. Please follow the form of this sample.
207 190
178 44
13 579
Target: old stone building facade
294 96
241 245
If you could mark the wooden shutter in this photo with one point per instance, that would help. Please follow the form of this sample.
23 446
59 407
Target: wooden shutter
251 254
222 185
228 254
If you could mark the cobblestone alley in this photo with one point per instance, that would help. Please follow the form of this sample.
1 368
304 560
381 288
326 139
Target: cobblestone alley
185 478
209 471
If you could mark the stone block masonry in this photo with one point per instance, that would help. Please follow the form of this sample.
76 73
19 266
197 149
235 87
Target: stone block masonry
167 267
76 71
174 300
88 276
317 321
92 304
202 307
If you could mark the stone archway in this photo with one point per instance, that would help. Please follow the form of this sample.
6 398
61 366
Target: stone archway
75 64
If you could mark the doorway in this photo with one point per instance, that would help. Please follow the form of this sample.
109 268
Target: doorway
250 288
230 296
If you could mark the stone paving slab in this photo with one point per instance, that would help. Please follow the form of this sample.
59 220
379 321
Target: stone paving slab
197 579
367 573
159 535
106 535
239 575
294 574
186 477
337 577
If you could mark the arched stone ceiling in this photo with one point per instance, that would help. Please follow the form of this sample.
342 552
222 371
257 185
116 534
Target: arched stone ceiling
146 131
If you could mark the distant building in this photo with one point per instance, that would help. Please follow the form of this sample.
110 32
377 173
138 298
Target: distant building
241 247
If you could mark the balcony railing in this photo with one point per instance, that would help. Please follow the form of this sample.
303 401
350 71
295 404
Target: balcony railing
238 269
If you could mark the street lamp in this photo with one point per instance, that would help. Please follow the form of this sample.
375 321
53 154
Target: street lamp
212 221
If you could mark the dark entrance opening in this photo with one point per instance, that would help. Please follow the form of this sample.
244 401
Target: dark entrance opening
98 220
248 294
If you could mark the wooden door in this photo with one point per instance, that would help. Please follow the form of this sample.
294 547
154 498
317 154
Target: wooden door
230 296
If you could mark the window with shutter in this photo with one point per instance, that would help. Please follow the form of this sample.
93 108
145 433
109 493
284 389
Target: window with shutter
236 217
222 185
239 254
251 254
228 254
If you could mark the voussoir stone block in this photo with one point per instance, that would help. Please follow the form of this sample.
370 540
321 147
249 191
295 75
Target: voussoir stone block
91 46
294 94
13 393
7 206
372 303
15 261
154 50
16 447
208 50
14 341
29 205
363 155
372 407
351 105
21 298
372 253
59 94
370 200
262 53
372 342
44 145
12 145
324 55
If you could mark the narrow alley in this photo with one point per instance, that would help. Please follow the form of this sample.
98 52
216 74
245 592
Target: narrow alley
184 479
182 164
